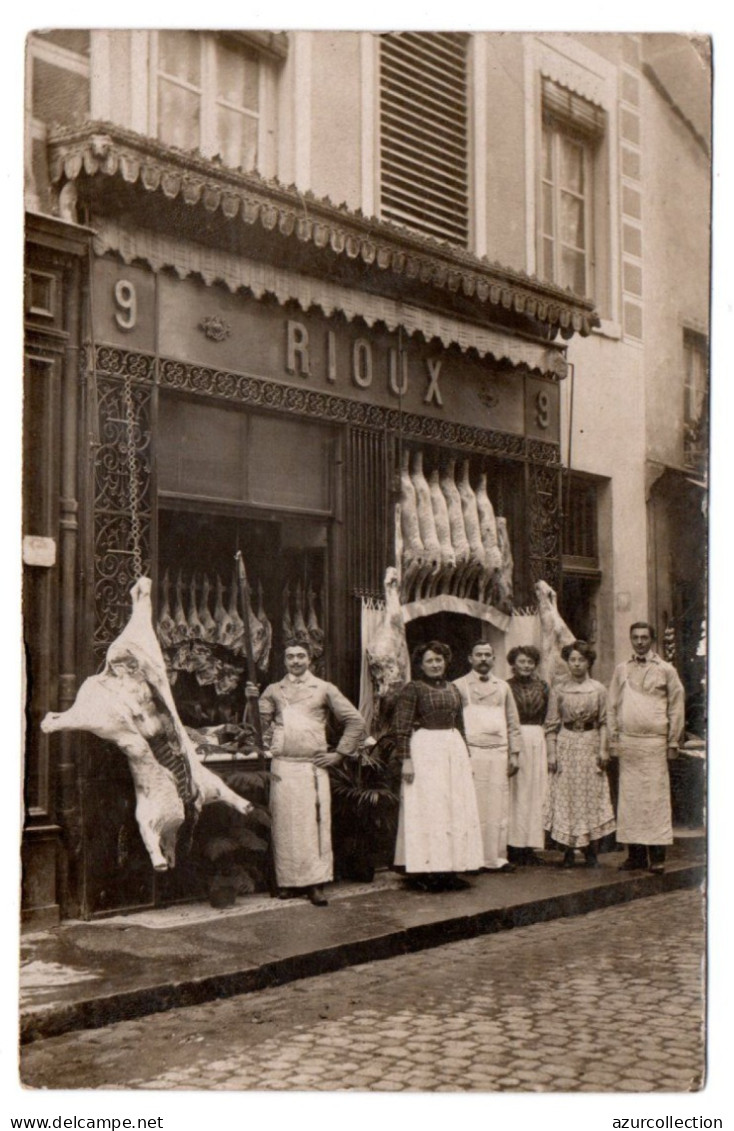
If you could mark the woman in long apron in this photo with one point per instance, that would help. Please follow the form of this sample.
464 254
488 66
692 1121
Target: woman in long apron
438 824
579 803
529 786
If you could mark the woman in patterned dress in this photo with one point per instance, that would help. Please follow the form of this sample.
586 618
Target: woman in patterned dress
438 824
529 786
579 803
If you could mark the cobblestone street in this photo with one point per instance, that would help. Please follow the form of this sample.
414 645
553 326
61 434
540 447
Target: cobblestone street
610 1001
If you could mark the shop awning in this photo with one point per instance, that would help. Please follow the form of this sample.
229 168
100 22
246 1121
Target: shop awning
236 272
101 149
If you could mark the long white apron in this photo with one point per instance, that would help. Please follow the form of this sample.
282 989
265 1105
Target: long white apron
486 733
438 824
644 813
300 804
528 789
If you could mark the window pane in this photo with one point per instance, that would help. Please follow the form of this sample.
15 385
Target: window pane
572 165
237 138
547 210
179 54
59 96
548 271
178 116
200 451
547 155
238 78
70 39
288 463
572 220
573 271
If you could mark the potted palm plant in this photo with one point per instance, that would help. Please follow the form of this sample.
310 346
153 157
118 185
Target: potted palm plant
365 800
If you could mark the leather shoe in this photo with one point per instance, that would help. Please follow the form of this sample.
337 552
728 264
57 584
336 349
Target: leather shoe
455 883
657 869
630 866
317 897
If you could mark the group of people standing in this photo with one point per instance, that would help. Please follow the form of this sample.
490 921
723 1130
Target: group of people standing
489 767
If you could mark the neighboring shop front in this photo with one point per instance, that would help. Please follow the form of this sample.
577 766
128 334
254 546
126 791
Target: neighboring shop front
257 389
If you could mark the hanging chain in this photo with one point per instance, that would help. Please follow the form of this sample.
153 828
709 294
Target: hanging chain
133 476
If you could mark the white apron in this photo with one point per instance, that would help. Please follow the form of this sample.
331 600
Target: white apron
438 825
528 789
644 810
486 735
300 803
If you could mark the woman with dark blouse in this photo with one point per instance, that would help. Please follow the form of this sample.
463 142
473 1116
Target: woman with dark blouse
529 786
438 825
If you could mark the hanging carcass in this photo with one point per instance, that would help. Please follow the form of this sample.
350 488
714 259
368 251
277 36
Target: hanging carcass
130 704
554 634
387 654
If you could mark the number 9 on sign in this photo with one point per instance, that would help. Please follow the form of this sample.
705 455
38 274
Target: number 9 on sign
127 304
542 409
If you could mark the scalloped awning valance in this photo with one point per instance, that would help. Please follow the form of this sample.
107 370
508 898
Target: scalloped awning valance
236 272
102 149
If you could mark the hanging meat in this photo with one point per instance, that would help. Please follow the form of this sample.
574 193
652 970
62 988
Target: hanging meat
503 580
208 623
235 636
413 556
227 628
443 578
264 660
488 533
300 628
196 628
181 629
554 634
426 525
387 654
477 558
287 623
315 631
166 625
130 704
459 540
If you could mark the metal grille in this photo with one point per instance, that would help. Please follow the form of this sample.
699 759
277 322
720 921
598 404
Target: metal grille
423 133
367 511
580 520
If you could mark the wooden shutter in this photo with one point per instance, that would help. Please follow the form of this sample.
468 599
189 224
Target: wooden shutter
424 134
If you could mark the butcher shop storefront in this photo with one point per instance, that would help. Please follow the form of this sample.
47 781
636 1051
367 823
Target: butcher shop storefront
321 430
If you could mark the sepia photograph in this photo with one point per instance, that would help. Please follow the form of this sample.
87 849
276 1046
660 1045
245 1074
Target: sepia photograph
365 562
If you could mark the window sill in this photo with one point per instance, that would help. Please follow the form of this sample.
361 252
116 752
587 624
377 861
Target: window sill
608 329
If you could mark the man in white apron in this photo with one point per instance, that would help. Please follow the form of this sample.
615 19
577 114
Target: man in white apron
298 708
645 717
494 739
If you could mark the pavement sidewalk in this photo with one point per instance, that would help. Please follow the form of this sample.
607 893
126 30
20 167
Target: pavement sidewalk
82 975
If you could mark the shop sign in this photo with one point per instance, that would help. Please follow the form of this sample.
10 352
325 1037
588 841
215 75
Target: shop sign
207 325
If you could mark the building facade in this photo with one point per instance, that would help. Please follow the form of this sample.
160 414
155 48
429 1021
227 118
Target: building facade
221 359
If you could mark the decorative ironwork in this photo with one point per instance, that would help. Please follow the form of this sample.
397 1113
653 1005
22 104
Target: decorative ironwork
121 479
125 363
543 451
339 410
544 523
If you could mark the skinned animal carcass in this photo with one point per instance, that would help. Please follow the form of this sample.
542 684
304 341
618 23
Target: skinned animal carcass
130 704
554 634
387 654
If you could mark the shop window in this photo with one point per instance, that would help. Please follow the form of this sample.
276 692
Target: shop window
231 456
200 611
424 167
210 96
695 399
580 526
573 129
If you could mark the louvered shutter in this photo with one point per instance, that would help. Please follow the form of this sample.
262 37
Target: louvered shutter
424 177
564 107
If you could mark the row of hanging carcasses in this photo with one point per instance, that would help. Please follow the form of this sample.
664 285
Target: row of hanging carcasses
452 541
209 642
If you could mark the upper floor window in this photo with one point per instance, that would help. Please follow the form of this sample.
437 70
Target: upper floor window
572 129
57 93
208 97
695 399
424 161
